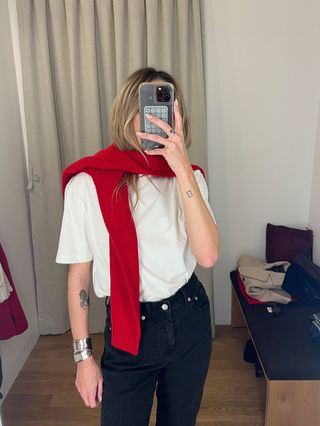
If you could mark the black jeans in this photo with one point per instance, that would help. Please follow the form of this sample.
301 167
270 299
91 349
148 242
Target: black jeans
173 358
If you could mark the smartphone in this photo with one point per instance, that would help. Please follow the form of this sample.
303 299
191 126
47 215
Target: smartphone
155 99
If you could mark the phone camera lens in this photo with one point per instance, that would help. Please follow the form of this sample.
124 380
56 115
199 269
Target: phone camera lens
163 94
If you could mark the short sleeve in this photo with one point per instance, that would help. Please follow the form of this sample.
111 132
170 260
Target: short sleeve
204 191
73 242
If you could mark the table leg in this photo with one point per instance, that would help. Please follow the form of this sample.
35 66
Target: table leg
237 319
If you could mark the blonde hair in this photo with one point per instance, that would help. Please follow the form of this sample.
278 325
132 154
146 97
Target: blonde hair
125 108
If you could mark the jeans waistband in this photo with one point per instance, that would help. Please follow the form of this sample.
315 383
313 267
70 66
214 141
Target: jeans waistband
172 302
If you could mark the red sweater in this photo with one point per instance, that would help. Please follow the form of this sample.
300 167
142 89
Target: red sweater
106 168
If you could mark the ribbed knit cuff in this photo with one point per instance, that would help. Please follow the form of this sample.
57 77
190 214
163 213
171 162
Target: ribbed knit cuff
125 340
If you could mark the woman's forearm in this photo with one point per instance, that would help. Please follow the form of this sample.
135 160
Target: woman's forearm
202 232
79 280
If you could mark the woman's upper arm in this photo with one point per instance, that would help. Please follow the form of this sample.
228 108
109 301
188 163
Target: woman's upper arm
80 272
74 246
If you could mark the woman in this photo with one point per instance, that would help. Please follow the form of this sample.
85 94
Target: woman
142 220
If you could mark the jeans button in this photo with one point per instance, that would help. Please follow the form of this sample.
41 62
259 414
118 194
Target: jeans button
189 299
143 317
164 306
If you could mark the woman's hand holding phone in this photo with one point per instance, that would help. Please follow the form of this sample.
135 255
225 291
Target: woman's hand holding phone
174 151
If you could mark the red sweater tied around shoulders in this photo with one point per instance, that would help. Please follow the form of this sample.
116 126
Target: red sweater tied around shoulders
106 168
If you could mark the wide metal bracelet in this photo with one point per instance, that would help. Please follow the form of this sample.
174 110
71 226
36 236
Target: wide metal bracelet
82 356
82 344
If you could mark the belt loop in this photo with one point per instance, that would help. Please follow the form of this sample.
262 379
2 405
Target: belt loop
147 309
107 301
193 279
183 291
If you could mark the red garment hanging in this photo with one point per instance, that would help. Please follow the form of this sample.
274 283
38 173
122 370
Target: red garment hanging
12 317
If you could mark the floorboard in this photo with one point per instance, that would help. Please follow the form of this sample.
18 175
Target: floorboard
44 393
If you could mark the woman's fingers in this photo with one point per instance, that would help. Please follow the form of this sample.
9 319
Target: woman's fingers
85 398
85 395
100 389
160 123
153 137
174 149
92 397
156 151
89 397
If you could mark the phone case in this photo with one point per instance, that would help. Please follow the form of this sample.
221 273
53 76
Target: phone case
154 100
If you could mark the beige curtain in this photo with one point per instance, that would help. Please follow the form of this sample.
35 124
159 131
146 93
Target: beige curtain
75 55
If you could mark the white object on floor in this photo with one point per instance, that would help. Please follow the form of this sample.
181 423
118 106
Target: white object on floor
5 287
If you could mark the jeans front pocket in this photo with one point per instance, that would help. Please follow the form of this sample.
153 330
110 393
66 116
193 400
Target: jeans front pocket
200 299
150 345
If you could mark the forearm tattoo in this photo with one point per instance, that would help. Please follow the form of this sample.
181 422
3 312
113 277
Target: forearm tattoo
84 299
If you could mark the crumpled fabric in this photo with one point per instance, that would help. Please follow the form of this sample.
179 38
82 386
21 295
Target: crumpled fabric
262 280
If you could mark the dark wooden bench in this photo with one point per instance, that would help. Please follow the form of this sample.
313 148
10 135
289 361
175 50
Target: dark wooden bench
290 362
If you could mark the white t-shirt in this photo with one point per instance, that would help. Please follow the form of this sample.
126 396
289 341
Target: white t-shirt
165 258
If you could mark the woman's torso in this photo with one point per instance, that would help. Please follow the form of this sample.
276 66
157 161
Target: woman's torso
165 258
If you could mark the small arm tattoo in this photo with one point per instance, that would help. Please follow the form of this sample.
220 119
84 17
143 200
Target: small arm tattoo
84 299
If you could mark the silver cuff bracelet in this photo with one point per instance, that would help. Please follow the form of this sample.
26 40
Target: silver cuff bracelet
82 344
82 356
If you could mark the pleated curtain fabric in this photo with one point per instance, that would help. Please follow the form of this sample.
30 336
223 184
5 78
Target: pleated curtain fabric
75 55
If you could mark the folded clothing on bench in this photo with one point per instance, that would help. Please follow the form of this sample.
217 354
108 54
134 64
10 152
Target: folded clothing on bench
263 281
242 288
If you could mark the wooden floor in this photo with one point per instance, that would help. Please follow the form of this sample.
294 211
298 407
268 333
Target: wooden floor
44 393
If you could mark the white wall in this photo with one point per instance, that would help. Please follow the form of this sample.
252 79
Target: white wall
15 235
314 213
263 90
